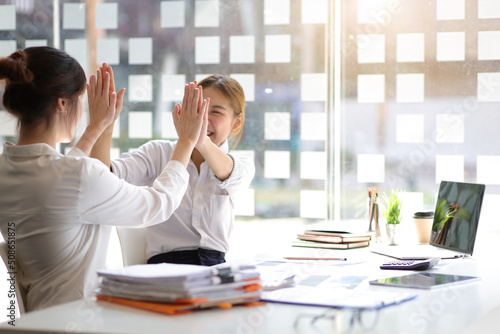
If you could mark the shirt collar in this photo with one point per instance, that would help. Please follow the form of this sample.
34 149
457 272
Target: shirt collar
31 150
224 146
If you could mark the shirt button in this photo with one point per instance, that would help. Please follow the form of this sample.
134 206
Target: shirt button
203 243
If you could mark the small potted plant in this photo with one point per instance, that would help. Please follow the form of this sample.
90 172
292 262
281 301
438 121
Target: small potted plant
392 214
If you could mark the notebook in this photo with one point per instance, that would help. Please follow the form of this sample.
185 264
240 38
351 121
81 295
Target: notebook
454 228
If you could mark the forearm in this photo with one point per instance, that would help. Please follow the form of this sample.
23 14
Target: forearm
101 149
219 162
182 152
88 139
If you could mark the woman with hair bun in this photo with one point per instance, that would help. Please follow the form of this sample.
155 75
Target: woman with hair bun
56 211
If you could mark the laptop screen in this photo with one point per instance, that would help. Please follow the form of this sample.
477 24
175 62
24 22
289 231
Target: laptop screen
457 215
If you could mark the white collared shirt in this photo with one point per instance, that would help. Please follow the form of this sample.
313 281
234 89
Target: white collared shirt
205 216
63 208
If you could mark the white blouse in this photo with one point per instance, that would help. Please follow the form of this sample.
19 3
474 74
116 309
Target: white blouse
63 208
205 216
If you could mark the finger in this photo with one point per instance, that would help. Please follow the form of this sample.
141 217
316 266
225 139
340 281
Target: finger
176 112
194 102
112 78
191 94
105 90
205 109
119 99
200 99
186 94
92 85
99 83
112 100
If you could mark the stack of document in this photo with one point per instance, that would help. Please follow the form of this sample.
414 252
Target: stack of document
332 239
178 288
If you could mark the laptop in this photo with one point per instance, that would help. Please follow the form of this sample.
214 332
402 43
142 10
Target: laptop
454 228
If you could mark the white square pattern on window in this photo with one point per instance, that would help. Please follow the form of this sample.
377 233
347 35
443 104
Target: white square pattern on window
172 14
488 9
449 168
277 126
450 46
241 49
410 88
371 49
450 128
140 124
140 88
410 128
74 16
450 9
314 11
276 12
371 168
206 13
207 50
77 48
313 126
313 87
488 87
371 88
173 87
410 47
488 45
108 51
7 17
278 49
140 51
313 204
487 169
106 15
277 164
313 165
7 48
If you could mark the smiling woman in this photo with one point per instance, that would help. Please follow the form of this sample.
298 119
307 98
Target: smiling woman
198 232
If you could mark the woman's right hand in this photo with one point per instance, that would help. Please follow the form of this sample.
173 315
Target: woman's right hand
102 102
188 118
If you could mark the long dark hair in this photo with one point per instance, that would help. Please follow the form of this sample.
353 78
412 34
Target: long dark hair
35 78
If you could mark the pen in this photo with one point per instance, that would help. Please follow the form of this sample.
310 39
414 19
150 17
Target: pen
317 258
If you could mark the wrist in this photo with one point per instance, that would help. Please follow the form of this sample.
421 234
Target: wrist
203 144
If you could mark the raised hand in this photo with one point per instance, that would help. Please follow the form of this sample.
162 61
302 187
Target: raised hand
191 116
102 102
189 121
119 96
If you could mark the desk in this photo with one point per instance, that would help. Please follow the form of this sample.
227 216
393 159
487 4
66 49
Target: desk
446 310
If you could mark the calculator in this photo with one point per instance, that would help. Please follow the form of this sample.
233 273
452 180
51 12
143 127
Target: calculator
411 264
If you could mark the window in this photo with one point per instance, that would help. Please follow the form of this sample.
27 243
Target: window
416 90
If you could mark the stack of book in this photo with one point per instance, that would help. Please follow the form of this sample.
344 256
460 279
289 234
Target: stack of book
332 239
179 288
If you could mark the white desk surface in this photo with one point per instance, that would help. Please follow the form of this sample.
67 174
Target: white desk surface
467 308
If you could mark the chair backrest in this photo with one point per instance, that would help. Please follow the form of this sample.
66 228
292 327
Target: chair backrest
133 244
20 292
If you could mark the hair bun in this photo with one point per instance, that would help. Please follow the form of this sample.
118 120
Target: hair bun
15 68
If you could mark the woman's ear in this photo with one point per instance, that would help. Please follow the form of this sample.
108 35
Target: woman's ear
61 106
237 123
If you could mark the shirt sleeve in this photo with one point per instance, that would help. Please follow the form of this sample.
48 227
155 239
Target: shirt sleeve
76 152
107 200
142 167
241 176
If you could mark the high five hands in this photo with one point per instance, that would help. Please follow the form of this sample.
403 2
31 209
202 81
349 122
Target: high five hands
105 104
191 118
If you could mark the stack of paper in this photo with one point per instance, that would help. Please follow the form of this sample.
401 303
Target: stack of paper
177 288
332 239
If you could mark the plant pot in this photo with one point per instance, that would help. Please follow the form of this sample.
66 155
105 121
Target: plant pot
392 233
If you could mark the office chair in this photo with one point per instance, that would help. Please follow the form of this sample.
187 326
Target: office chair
133 244
20 292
